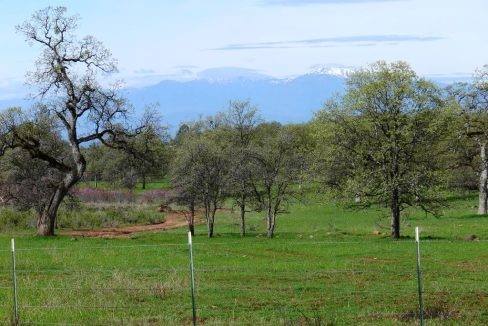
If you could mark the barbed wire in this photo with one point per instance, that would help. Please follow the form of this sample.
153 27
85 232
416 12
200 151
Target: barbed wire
157 306
215 269
210 243
133 307
244 269
333 291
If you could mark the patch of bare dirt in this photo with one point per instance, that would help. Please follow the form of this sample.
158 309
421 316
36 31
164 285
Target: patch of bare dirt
173 219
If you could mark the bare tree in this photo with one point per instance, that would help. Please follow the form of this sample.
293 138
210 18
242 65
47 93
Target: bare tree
65 78
279 165
240 122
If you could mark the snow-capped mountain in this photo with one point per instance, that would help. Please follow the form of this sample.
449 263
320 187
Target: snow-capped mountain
291 99
194 94
187 94
229 74
333 70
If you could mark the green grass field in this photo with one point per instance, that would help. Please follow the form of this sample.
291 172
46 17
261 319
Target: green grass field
326 266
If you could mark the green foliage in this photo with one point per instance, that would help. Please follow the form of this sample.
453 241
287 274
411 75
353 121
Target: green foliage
12 219
146 157
382 140
199 174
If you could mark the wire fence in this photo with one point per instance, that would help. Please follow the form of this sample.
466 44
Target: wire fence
289 291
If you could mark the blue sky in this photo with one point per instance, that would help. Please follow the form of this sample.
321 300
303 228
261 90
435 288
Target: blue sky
168 38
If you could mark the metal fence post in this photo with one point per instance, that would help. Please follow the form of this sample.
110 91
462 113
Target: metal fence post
419 278
192 279
15 316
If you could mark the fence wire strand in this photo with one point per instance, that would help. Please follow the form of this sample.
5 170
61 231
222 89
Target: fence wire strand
268 243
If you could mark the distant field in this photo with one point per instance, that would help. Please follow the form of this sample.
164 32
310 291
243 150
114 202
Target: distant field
326 265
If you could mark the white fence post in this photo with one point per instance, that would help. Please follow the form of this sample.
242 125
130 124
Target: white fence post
15 317
419 278
192 279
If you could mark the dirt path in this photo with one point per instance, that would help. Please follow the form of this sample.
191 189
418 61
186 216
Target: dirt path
173 220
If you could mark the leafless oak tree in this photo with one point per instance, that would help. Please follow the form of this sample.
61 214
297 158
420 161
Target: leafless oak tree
65 79
240 122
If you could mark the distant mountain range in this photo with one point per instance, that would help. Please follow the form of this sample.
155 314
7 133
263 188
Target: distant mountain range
208 92
283 100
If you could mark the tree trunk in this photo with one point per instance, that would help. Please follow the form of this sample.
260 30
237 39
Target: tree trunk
483 186
210 227
209 216
270 222
271 227
395 214
46 221
243 219
45 224
144 182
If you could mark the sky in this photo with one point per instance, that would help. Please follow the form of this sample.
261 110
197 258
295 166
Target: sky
173 38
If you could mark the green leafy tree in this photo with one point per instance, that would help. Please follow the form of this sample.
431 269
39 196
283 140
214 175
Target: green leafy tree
472 127
383 140
199 174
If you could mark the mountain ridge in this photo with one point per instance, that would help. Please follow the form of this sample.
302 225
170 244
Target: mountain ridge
287 100
282 100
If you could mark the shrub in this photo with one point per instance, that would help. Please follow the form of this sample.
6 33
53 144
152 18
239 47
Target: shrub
155 196
112 216
92 195
12 219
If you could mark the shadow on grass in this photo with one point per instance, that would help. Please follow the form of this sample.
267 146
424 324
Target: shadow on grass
462 196
470 216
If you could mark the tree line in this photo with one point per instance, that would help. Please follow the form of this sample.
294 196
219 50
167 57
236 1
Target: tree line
393 139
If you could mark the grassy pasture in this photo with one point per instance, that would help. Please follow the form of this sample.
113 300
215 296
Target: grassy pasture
326 265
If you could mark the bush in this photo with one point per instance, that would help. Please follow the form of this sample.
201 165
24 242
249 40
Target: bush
103 208
106 217
91 195
12 219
